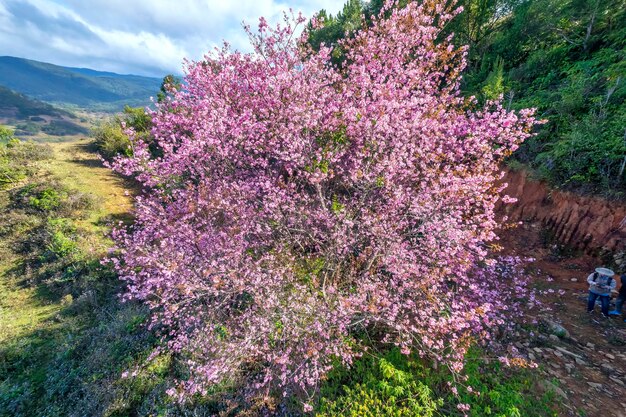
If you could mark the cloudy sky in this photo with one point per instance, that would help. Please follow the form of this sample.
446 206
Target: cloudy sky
146 37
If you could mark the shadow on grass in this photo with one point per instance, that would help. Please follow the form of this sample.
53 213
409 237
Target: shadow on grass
74 360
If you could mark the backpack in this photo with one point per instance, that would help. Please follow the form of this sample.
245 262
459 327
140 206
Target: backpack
608 282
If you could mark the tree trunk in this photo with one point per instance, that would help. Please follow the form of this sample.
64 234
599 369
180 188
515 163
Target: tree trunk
590 26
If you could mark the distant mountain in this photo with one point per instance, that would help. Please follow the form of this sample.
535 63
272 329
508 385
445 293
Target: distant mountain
33 118
81 87
19 107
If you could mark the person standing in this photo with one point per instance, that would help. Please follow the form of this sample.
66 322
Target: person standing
601 283
619 302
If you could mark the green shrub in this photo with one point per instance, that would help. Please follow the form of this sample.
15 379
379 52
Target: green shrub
6 134
396 385
54 199
505 392
111 140
377 387
61 241
47 200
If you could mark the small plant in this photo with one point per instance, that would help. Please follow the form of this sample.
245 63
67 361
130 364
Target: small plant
61 245
47 200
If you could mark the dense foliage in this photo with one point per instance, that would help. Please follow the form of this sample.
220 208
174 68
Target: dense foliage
564 57
392 384
111 135
293 204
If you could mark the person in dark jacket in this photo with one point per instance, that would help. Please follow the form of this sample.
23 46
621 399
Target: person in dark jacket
621 297
601 283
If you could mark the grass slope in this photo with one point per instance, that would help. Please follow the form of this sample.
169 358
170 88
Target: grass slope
34 119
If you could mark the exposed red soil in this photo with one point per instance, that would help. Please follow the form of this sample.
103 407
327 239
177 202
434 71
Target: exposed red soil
584 222
564 233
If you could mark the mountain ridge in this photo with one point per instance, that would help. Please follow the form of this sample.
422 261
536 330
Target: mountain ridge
82 87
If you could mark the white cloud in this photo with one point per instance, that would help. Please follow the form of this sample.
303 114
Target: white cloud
133 36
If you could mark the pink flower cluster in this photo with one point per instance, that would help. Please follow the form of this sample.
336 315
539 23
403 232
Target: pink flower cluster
293 206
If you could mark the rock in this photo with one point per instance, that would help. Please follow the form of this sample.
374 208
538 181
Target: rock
567 352
537 350
617 381
574 279
590 345
595 385
531 357
557 353
554 338
608 355
569 368
518 345
607 368
581 362
556 329
549 386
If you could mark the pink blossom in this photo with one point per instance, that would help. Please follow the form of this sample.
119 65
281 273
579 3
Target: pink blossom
291 204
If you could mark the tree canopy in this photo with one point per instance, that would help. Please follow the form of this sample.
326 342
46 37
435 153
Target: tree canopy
297 205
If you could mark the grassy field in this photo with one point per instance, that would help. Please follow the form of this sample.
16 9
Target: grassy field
22 308
78 164
60 318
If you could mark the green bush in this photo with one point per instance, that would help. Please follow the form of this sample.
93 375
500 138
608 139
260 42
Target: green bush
6 134
54 199
47 200
61 241
377 387
110 138
395 385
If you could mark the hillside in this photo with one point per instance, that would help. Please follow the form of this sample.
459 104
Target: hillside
76 86
33 117
20 107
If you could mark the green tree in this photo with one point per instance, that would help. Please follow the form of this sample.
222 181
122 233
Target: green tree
170 84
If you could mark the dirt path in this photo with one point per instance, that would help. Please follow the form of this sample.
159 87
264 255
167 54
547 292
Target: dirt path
77 166
587 360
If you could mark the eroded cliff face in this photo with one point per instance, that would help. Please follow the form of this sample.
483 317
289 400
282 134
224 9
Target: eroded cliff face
584 222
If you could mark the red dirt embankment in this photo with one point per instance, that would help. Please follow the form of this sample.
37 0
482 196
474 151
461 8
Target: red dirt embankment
584 222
